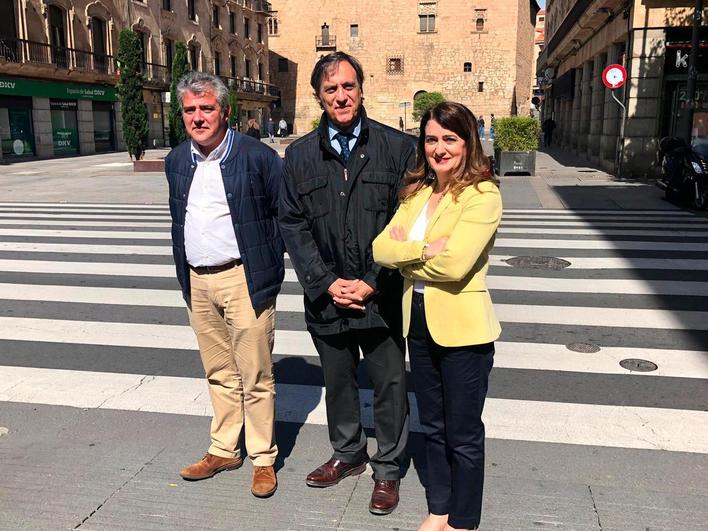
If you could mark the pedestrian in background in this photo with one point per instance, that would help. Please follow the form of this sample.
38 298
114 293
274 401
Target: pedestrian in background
253 130
492 126
271 127
282 128
339 192
480 121
230 266
548 127
400 123
440 239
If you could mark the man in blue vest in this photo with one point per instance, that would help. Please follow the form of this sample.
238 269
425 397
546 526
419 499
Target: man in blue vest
223 189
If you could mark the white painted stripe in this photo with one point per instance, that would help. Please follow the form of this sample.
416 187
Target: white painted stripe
290 303
605 317
601 233
138 235
671 363
97 234
120 296
553 357
25 215
100 268
121 224
597 224
103 211
591 219
604 286
81 248
635 264
557 212
599 245
581 212
583 424
87 205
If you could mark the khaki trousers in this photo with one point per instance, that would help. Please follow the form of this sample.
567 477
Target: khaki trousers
236 344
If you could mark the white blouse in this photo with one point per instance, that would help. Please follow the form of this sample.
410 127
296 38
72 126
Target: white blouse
418 234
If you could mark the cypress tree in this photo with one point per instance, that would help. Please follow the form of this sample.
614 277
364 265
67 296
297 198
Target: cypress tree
233 103
180 66
130 92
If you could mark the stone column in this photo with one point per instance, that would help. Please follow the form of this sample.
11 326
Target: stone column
84 116
572 141
585 103
611 119
644 102
596 107
42 125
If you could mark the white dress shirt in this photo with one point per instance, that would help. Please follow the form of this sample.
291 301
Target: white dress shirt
209 237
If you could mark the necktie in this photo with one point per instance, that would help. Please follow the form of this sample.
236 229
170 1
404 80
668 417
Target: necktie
343 139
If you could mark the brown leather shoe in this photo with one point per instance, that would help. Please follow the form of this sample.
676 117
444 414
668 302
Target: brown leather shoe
264 482
333 471
209 466
384 499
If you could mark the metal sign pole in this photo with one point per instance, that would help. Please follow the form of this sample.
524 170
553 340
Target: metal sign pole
620 140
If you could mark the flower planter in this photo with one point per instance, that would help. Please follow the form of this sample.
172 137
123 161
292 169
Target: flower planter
515 162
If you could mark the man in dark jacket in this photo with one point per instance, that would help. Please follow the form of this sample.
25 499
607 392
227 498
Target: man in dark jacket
229 256
339 192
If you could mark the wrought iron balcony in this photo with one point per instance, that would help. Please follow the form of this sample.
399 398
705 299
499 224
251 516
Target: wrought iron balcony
31 52
250 86
326 42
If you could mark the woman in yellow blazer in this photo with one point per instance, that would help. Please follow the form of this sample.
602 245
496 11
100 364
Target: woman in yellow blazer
440 239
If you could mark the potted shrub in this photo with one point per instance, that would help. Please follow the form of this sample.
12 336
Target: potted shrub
515 145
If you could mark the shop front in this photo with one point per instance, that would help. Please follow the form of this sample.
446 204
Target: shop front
16 132
678 46
81 118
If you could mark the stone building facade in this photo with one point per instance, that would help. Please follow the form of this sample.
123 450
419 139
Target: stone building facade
651 41
478 53
58 70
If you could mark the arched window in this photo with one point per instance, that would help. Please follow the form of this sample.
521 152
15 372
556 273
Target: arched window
480 24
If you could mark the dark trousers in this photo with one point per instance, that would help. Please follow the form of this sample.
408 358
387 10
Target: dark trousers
385 361
450 387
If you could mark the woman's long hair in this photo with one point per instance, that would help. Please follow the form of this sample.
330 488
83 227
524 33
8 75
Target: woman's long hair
475 167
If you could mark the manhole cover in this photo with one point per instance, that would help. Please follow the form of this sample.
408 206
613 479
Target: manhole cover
538 262
584 348
637 365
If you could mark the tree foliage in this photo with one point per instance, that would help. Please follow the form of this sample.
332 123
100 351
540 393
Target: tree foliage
130 93
233 103
516 134
180 66
425 101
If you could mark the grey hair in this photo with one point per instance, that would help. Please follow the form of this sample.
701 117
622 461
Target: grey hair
200 82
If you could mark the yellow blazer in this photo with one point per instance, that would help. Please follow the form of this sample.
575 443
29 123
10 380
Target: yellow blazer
458 308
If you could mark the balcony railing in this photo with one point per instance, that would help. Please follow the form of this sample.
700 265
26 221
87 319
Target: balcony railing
156 73
251 86
325 41
23 51
262 6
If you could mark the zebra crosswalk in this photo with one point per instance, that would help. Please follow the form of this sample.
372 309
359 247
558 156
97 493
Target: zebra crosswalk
91 317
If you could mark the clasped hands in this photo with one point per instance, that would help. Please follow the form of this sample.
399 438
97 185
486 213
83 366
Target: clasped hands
350 294
434 248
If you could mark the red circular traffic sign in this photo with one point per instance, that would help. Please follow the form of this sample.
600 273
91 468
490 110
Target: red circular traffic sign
614 76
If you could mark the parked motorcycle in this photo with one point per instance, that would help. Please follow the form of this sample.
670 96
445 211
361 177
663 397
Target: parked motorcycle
684 171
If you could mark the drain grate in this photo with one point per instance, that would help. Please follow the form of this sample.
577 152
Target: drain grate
583 348
538 262
638 365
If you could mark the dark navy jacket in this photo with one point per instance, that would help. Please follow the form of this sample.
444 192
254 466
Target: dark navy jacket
252 175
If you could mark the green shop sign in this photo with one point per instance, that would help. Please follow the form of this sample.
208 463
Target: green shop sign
26 87
66 141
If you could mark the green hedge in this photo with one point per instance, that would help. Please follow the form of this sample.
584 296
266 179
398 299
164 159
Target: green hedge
516 134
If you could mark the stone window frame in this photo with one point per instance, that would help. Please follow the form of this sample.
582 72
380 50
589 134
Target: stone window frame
467 67
427 10
354 28
480 14
395 65
273 24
